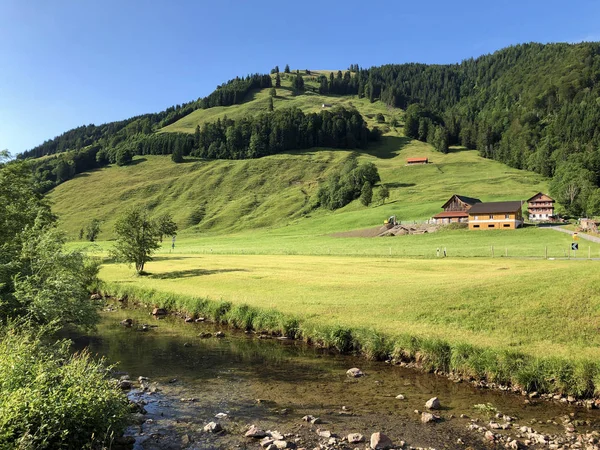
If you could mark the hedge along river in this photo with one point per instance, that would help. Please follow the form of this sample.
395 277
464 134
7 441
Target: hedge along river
274 383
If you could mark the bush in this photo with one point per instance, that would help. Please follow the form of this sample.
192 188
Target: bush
50 398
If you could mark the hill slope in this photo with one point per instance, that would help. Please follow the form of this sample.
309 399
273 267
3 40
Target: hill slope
272 191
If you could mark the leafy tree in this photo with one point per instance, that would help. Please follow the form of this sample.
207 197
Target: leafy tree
92 230
166 226
123 157
394 122
81 232
380 118
287 69
571 185
177 155
366 194
275 70
383 193
137 238
298 83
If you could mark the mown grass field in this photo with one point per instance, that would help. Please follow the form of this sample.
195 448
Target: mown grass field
548 308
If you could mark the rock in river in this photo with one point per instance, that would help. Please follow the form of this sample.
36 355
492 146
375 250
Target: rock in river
428 417
159 312
380 441
355 438
213 427
127 322
255 432
433 403
354 372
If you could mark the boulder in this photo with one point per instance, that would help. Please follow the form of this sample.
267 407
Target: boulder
428 417
433 403
127 322
355 438
380 441
205 335
159 312
219 334
125 384
281 444
255 432
400 397
188 319
354 372
213 427
95 297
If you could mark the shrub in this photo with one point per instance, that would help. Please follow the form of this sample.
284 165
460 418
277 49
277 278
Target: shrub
50 398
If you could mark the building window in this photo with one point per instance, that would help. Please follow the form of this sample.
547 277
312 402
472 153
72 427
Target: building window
476 217
507 216
506 225
475 226
491 216
491 225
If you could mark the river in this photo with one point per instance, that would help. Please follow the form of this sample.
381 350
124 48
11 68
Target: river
274 383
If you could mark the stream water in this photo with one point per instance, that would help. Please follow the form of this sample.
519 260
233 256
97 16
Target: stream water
274 383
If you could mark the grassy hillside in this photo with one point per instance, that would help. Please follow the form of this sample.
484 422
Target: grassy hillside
272 191
310 101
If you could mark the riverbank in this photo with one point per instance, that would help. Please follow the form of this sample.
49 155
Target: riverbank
192 378
502 368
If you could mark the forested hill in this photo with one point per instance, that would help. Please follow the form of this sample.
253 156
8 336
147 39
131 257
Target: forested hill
532 106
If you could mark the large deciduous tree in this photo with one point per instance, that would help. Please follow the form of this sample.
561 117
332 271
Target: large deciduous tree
137 238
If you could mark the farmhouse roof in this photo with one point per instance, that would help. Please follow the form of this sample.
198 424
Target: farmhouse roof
468 200
495 207
417 160
540 194
448 214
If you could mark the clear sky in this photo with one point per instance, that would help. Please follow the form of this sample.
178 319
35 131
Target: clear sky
65 63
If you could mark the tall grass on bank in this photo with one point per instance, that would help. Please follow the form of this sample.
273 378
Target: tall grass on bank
51 398
579 378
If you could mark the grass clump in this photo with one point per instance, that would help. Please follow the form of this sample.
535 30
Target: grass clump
51 398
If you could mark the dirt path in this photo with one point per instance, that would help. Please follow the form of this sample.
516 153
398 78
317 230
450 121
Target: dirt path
587 237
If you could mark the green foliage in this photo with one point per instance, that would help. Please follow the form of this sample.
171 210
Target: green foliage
177 155
166 226
572 185
38 278
366 194
383 193
287 69
347 184
380 118
123 157
92 230
273 92
137 238
51 398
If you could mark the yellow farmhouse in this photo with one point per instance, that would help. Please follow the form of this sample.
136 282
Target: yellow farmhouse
496 215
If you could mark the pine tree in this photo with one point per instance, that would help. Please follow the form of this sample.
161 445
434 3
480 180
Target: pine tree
287 69
270 103
277 80
273 92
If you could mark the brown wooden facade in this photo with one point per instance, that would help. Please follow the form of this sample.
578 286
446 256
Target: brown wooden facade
540 207
455 210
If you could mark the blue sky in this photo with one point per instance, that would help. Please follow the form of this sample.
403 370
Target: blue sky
65 63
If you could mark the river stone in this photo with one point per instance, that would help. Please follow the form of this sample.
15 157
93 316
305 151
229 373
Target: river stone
188 319
265 442
205 335
280 444
433 403
380 441
221 415
159 312
400 397
428 417
255 432
127 322
276 435
219 334
213 427
324 433
354 372
355 438
125 384
96 297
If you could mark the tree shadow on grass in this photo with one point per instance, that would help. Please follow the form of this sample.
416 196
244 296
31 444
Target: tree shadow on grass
388 147
191 273
399 185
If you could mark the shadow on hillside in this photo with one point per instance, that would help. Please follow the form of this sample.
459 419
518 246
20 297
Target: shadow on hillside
137 161
388 147
458 149
191 273
399 185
